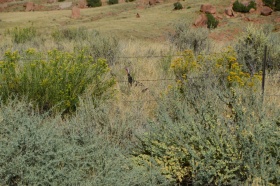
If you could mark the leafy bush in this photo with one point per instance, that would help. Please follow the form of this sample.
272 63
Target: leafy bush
94 3
112 2
186 37
212 22
22 35
239 7
178 6
57 81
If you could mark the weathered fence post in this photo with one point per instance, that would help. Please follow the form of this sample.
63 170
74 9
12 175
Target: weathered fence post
263 71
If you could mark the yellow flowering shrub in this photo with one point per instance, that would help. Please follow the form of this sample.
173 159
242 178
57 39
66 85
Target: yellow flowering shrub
228 66
172 160
56 81
184 65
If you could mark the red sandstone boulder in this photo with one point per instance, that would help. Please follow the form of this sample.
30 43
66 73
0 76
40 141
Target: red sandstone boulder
229 11
265 11
76 12
82 4
201 20
29 6
152 2
252 10
207 8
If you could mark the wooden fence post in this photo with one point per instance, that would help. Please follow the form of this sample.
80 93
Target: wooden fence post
263 71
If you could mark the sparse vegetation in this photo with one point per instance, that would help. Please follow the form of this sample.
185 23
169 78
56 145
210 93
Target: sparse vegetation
186 37
22 35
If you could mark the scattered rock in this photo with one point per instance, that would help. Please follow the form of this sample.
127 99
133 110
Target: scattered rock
38 7
201 20
29 6
76 12
152 2
207 8
245 3
247 19
137 15
277 20
51 1
229 12
82 4
252 10
219 17
266 11
65 5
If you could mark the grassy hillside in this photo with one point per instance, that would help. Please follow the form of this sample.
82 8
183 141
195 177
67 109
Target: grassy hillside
194 114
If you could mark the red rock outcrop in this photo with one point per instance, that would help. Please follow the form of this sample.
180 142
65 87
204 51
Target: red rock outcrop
76 12
82 4
201 20
229 11
29 6
207 8
266 11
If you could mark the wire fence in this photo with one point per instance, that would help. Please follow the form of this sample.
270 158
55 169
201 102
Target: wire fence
271 77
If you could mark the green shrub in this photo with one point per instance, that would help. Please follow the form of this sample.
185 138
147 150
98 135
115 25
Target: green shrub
178 6
212 22
277 5
269 3
22 35
112 2
57 81
94 3
239 7
274 4
186 37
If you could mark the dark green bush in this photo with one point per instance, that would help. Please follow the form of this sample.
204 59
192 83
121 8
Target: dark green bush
94 3
277 5
178 6
212 22
274 4
112 2
239 7
269 3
